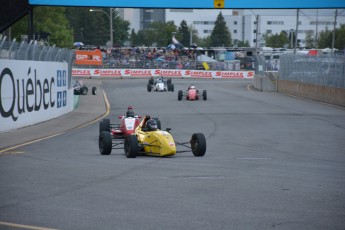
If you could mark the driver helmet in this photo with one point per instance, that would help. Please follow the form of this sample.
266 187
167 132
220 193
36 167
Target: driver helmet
192 87
151 125
129 112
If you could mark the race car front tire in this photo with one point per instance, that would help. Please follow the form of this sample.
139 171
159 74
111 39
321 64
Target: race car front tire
179 95
105 143
84 90
148 88
94 90
198 144
131 146
204 95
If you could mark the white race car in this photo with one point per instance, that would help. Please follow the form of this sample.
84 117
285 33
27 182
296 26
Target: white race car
160 85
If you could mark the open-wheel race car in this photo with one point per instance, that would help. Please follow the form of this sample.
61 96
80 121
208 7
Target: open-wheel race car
128 122
148 139
160 85
80 88
191 94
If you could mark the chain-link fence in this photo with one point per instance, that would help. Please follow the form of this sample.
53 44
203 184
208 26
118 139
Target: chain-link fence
35 51
326 70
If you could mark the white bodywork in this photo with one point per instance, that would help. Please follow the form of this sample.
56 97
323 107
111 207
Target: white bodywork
130 123
160 86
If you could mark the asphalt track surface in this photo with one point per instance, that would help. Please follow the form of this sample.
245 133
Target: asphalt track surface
273 162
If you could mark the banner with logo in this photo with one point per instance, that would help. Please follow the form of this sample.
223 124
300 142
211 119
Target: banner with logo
87 57
35 92
122 73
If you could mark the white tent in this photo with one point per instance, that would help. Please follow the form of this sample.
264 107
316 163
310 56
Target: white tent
205 58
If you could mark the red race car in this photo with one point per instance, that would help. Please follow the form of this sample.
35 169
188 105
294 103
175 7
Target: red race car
191 94
128 123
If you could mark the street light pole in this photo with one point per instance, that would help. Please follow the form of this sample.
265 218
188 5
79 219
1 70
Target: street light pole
110 16
111 27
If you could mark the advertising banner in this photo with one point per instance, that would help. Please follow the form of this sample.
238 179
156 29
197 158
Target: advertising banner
87 57
35 92
142 73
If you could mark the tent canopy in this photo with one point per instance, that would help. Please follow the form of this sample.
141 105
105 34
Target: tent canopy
205 58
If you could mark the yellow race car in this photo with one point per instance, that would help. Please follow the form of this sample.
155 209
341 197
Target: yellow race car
148 139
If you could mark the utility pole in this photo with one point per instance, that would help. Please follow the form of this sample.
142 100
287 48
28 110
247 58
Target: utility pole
257 32
335 23
294 47
317 27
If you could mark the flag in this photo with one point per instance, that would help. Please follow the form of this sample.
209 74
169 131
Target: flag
174 40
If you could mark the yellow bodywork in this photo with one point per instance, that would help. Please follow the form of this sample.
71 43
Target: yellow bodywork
156 143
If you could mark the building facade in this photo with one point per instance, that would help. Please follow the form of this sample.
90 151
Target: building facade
244 25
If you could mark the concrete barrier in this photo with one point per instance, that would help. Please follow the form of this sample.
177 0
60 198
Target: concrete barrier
330 95
270 82
266 83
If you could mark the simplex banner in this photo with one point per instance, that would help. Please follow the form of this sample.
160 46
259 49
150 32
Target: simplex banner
122 73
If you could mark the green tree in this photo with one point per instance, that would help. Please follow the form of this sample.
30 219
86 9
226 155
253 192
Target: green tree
202 42
121 28
220 35
243 44
134 39
49 20
309 39
276 40
339 42
325 39
91 28
183 34
159 33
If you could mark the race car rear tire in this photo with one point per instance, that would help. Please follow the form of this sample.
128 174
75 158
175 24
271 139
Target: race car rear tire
94 90
151 81
148 88
198 144
179 95
105 143
84 90
171 87
131 146
204 95
169 81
